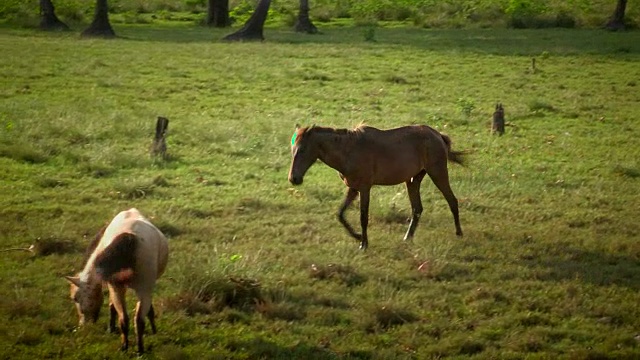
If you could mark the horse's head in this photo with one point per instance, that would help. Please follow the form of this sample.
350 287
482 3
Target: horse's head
87 296
305 151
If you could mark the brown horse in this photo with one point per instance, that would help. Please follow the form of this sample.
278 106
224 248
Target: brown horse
366 156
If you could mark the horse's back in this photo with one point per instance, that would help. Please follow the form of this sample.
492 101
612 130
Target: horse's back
402 132
396 155
152 250
153 247
411 138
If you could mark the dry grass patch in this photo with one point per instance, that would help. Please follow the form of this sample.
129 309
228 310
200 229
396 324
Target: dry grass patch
388 316
168 229
341 273
23 153
627 171
21 308
281 311
47 182
205 295
134 190
52 245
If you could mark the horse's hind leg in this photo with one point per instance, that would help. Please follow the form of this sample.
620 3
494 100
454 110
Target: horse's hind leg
440 177
364 218
142 309
113 313
152 319
352 194
413 189
117 297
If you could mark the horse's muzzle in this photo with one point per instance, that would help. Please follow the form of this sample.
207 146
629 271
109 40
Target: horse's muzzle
295 180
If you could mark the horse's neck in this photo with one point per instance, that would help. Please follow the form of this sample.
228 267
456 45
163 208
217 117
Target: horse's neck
89 276
334 149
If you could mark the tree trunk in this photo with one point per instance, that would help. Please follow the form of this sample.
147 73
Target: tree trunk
617 19
252 29
304 24
100 27
49 20
218 13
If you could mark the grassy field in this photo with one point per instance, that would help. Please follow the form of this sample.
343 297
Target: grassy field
549 266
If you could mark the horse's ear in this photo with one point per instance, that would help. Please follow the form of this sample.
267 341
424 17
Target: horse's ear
297 126
74 280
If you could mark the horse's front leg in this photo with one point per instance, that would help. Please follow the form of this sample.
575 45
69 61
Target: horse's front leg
413 189
352 194
364 217
117 297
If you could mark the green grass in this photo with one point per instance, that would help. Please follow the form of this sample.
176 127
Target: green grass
549 266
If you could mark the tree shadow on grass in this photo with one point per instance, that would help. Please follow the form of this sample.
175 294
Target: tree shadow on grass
265 349
591 267
526 42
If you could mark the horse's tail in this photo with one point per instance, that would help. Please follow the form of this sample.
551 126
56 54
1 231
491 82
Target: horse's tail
453 156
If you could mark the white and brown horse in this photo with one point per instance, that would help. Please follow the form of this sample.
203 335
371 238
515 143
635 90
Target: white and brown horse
129 253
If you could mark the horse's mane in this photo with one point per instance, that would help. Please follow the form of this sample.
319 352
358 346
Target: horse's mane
360 127
357 130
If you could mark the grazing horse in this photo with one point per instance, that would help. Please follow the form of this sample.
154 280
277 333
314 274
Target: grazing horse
129 253
366 156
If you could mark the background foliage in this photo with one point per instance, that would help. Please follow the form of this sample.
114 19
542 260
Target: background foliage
421 13
550 263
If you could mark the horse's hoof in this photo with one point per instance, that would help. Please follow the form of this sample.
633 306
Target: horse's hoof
459 233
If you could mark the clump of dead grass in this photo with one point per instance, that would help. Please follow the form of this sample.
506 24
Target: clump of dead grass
341 273
280 311
384 317
209 294
21 308
53 245
388 316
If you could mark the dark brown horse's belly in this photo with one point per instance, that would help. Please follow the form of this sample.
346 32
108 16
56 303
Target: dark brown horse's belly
393 170
392 179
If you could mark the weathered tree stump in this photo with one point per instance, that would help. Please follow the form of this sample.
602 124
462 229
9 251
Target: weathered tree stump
159 145
497 125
